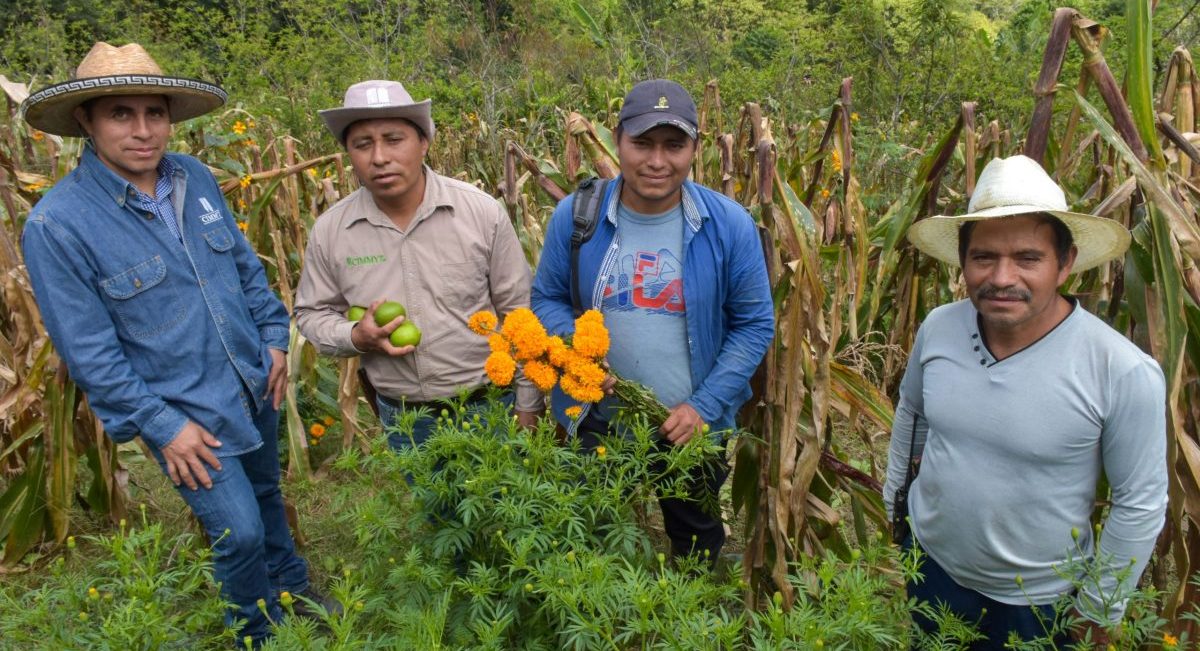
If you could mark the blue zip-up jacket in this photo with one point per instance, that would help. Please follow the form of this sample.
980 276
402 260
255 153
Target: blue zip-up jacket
730 317
155 330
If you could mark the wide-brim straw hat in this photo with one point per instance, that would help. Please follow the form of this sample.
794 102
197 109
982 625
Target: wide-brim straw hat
1019 186
125 70
377 99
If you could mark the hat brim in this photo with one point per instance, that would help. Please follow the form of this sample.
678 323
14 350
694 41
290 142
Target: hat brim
339 119
52 108
637 125
1097 239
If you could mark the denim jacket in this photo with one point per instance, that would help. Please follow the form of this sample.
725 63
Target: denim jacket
155 330
730 315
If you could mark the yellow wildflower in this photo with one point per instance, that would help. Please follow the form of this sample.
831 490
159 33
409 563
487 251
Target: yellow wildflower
312 441
541 374
1170 641
239 127
591 337
242 226
601 451
312 171
317 430
824 193
245 181
329 421
836 158
285 598
482 323
93 593
250 123
574 412
854 117
241 204
500 367
37 136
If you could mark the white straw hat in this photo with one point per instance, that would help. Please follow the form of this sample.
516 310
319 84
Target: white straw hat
375 99
1019 186
125 70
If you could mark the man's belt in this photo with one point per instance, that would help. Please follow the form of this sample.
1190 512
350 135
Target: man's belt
479 393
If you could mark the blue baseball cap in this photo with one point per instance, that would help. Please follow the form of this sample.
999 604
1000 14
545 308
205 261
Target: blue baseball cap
655 103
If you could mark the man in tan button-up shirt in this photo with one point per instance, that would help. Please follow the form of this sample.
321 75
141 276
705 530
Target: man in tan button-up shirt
442 248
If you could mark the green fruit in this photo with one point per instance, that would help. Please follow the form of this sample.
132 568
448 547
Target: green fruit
406 334
355 312
387 312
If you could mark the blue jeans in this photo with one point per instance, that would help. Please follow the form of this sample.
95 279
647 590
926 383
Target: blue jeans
257 558
992 618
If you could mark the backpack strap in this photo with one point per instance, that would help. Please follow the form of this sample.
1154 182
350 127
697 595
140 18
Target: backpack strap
585 217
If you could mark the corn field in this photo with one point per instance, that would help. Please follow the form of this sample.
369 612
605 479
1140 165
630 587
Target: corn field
849 291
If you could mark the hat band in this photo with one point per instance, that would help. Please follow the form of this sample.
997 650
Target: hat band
115 81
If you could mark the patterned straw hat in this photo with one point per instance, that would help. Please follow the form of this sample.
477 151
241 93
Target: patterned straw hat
125 70
1019 186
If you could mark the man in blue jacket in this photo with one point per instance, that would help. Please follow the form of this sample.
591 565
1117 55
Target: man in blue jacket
162 312
678 272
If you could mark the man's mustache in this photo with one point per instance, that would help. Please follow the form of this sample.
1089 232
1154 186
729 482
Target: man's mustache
1007 293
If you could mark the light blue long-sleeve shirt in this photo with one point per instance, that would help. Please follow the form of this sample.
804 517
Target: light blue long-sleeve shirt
1013 450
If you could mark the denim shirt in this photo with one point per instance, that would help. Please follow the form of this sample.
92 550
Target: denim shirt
157 330
730 314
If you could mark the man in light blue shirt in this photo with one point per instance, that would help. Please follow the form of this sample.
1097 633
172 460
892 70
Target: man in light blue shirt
161 310
1020 400
678 272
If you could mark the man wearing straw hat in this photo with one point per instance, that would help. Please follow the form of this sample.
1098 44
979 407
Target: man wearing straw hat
442 248
1015 401
162 312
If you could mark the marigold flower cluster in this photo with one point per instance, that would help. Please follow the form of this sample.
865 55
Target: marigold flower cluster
836 159
546 361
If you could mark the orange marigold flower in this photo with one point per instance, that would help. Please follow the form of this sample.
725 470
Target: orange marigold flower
837 160
543 375
1170 641
591 338
500 368
580 391
37 136
482 323
587 371
593 316
574 412
498 344
525 333
328 421
557 351
824 193
317 430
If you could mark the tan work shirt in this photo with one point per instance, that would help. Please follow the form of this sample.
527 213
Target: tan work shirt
459 255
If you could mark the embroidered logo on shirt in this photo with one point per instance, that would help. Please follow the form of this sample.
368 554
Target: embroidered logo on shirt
360 260
210 214
649 281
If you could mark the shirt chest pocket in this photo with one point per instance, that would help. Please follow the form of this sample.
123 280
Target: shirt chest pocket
220 241
145 304
464 285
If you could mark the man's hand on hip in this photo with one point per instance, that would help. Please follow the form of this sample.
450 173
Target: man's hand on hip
370 338
683 423
277 378
187 454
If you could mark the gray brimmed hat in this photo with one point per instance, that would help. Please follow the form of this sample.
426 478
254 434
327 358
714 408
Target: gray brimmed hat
655 103
125 70
375 99
1019 186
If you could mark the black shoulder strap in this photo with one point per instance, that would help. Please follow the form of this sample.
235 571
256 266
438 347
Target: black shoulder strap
914 461
586 215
